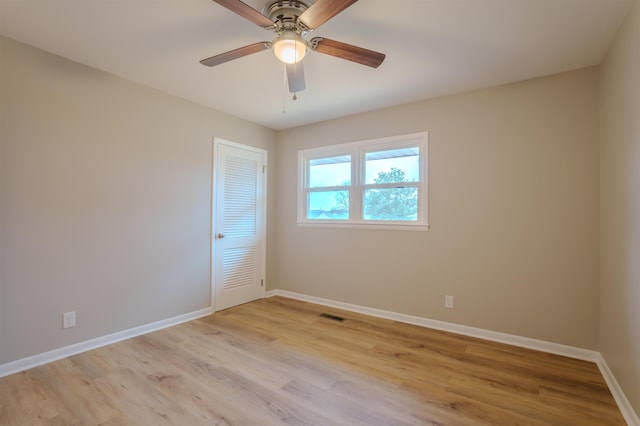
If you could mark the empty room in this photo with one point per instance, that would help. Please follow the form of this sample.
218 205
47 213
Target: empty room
319 212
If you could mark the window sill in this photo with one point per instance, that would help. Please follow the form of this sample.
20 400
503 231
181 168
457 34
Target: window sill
362 225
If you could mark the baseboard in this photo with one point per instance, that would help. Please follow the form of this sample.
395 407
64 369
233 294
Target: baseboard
623 403
525 342
584 354
56 354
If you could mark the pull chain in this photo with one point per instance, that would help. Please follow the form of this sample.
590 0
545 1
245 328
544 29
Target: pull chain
295 73
284 87
284 90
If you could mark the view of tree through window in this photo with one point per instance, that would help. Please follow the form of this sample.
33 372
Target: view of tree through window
396 203
383 198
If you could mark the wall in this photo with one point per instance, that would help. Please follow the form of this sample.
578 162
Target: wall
513 209
620 209
105 203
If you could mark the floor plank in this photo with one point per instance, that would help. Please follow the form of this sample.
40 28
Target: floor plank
277 362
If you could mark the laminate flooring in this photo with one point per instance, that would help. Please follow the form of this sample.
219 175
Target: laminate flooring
277 361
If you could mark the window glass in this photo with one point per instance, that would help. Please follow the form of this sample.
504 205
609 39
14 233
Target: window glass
391 204
328 205
396 165
332 171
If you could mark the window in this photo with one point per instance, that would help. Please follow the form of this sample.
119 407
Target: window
380 184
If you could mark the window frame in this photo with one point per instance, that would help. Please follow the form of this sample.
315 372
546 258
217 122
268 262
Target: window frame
358 151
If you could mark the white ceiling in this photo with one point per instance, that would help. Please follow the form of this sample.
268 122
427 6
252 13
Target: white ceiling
433 48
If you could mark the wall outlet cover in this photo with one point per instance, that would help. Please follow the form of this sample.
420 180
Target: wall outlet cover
448 302
69 319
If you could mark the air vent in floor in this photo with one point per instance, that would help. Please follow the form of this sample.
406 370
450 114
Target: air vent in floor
332 317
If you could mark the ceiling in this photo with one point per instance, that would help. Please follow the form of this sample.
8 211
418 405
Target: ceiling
433 48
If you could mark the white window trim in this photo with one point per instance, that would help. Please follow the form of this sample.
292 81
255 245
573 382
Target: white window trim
357 151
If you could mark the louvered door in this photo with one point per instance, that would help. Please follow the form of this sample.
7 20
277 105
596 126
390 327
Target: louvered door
239 224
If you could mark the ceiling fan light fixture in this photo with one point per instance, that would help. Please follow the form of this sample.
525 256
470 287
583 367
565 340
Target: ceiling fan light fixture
289 47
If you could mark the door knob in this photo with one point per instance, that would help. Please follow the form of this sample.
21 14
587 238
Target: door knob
220 236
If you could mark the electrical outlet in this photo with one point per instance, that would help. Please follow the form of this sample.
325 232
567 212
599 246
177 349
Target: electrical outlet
448 302
69 319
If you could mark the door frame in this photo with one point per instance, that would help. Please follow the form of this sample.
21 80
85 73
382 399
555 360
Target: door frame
217 141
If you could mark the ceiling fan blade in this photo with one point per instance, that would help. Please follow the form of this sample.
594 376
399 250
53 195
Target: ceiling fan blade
236 53
246 12
323 10
295 75
347 51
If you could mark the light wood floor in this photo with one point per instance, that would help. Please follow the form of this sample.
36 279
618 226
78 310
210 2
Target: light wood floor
275 361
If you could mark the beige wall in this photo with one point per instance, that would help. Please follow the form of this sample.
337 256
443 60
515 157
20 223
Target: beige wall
620 207
105 201
105 208
513 209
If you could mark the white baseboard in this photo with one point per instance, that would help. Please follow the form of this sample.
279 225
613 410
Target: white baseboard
525 342
623 403
569 351
56 354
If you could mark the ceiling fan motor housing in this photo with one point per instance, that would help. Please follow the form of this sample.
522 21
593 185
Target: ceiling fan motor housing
285 13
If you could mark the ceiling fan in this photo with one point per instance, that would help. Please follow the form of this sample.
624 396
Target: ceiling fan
291 21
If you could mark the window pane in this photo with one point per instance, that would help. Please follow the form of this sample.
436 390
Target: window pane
328 205
396 165
390 204
332 171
